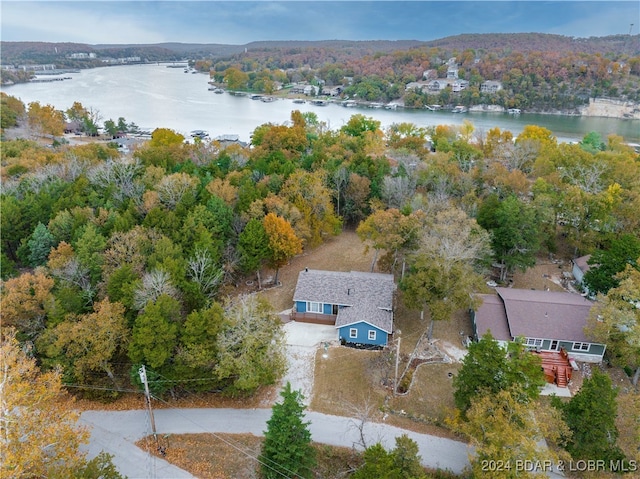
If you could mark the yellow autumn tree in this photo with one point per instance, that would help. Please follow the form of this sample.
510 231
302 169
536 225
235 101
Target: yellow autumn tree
508 434
223 189
39 435
45 119
92 342
309 193
24 300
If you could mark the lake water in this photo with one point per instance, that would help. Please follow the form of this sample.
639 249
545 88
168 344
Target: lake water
156 96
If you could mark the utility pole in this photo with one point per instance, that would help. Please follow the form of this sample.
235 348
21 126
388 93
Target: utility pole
143 377
395 382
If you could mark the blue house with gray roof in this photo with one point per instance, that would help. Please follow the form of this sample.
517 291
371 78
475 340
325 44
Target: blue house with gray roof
359 304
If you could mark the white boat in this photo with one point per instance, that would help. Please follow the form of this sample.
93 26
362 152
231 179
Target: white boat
459 109
514 111
433 107
349 103
299 100
267 99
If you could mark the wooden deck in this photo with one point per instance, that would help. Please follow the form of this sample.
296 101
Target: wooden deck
315 318
556 366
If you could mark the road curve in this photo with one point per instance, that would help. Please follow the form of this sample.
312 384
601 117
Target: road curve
116 432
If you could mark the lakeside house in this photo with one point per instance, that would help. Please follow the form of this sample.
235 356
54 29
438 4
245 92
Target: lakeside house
546 320
359 304
550 323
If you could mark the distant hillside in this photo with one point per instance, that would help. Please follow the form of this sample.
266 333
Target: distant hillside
40 52
528 42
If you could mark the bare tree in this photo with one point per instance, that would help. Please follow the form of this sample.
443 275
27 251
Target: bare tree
119 173
171 189
396 190
518 156
205 273
154 284
587 177
361 414
74 273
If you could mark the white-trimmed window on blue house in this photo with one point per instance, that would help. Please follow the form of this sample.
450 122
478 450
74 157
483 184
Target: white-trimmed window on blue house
581 346
533 343
313 307
372 335
353 333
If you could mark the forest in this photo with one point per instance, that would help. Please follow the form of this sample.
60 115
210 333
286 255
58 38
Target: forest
112 260
155 241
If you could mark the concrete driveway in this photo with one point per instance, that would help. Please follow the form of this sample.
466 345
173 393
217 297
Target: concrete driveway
309 335
303 340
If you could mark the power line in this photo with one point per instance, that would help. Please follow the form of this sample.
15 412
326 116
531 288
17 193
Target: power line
228 442
239 448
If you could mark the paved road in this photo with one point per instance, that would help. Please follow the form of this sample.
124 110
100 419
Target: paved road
116 432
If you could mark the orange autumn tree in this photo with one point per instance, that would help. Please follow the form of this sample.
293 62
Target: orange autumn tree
283 242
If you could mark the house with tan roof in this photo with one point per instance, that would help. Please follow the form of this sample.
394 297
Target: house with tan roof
359 304
546 320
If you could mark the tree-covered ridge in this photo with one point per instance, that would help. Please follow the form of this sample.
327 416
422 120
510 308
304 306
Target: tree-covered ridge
537 71
531 79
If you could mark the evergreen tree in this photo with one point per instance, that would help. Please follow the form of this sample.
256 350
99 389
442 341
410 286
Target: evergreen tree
607 263
40 245
515 227
490 367
287 450
378 463
253 246
403 462
155 333
89 247
406 458
591 416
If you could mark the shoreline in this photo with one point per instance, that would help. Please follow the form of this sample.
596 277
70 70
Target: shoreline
596 108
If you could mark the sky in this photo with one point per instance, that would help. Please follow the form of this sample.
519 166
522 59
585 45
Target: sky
238 22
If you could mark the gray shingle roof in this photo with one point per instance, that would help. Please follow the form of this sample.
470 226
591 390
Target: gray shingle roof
368 296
